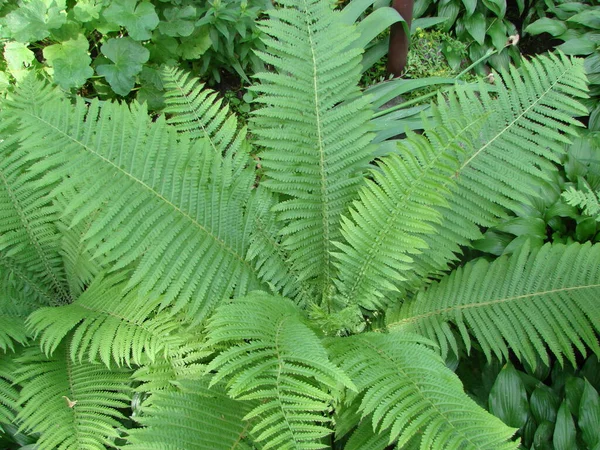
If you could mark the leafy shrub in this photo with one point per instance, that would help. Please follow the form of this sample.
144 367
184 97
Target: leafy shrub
482 24
577 24
553 406
125 42
153 255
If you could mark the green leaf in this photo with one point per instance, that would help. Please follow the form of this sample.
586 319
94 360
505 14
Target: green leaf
499 34
450 11
18 57
573 391
508 398
546 25
586 229
128 57
589 18
87 10
179 21
589 416
475 25
33 20
579 46
564 429
196 45
498 7
544 404
139 19
470 6
542 439
519 226
71 62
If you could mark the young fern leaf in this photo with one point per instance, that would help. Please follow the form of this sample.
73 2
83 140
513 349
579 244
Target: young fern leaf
73 406
529 117
587 199
528 302
408 391
314 128
108 322
173 208
270 354
195 110
192 417
395 210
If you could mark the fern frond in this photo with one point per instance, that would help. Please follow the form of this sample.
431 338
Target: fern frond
9 395
196 110
29 241
108 322
529 116
314 128
270 354
73 406
175 210
586 199
270 257
395 210
528 302
12 320
408 391
191 417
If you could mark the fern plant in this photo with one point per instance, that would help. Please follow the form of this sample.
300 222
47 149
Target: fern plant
282 288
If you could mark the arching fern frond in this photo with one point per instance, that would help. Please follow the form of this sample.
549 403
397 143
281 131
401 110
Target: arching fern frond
171 207
108 322
192 417
529 116
268 353
196 110
408 391
396 209
527 302
314 128
29 240
73 406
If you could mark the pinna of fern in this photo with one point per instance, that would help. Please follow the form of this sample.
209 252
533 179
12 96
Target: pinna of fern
177 260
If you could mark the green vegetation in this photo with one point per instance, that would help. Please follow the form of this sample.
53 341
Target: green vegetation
285 264
291 290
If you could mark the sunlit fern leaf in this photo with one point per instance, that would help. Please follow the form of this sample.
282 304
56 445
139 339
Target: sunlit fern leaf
408 391
9 394
269 354
586 199
528 118
196 110
175 210
73 406
314 128
108 323
29 241
192 417
396 209
528 302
